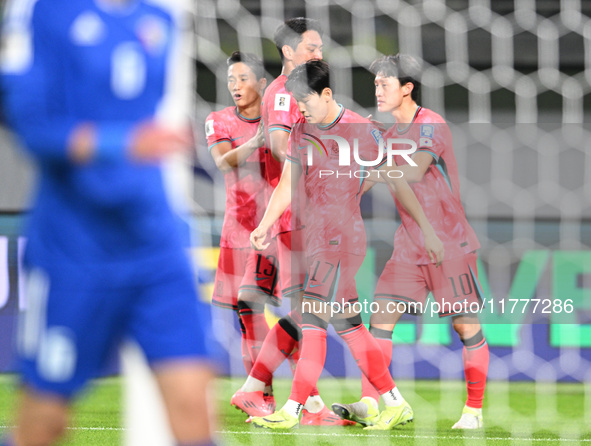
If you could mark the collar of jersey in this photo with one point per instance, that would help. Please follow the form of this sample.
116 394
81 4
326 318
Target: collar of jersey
242 118
405 129
336 120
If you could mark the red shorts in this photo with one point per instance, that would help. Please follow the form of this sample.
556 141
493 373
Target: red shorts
331 277
261 273
238 266
454 285
292 266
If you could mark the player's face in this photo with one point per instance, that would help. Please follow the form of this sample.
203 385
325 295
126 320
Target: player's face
315 108
389 93
310 48
243 85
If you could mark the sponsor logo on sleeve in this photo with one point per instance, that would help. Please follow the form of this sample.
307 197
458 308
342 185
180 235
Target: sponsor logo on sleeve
209 127
377 136
282 102
426 138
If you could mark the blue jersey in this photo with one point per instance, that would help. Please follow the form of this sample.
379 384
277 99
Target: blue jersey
105 255
108 67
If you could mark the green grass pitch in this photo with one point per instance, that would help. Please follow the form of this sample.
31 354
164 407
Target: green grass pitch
515 413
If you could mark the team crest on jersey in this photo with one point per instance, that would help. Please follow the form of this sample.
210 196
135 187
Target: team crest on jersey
88 29
209 127
334 148
282 102
426 138
151 32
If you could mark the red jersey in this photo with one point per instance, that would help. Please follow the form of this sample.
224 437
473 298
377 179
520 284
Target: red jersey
246 184
438 192
279 112
331 216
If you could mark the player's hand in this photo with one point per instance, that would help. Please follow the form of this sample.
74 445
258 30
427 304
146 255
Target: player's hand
434 247
259 136
257 239
152 141
380 125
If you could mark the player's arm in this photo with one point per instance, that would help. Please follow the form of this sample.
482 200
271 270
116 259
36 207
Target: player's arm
408 199
278 143
414 174
227 158
31 96
147 141
280 200
375 176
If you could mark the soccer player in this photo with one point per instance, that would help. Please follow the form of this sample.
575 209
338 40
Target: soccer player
106 255
297 40
408 276
335 242
236 143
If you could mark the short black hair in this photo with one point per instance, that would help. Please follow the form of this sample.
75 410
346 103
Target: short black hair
308 78
401 66
290 32
249 59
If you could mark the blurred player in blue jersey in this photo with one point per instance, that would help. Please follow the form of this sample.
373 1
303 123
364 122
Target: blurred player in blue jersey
105 255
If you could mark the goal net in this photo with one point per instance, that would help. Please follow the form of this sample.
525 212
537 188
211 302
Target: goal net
513 81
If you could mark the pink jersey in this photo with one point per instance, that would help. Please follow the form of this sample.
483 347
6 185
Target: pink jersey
438 192
280 112
245 185
331 214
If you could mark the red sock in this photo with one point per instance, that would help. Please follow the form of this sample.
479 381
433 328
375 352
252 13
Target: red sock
277 346
476 357
296 318
311 362
255 324
294 358
369 357
293 363
384 340
244 348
